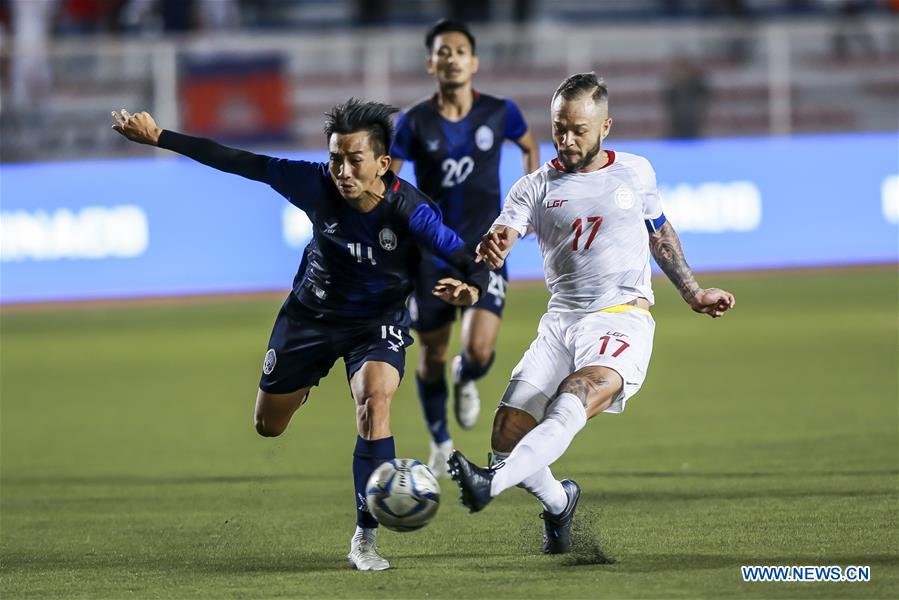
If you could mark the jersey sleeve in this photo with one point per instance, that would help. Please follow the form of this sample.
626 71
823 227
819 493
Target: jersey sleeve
515 125
426 226
404 138
518 207
649 191
300 181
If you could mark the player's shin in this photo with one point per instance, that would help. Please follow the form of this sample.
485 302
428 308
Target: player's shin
368 456
542 485
432 396
543 445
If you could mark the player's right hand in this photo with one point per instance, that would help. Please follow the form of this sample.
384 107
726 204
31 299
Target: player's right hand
494 247
140 127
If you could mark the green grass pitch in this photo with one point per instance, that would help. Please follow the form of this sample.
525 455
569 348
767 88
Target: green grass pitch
130 466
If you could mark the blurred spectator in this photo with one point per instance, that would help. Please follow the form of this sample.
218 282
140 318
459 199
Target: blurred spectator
88 16
851 31
739 45
686 98
30 70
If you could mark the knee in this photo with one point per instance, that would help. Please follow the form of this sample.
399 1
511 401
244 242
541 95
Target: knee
480 353
579 385
267 428
372 408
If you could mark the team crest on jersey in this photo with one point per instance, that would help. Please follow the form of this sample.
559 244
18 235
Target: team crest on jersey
387 239
433 145
271 360
483 138
624 198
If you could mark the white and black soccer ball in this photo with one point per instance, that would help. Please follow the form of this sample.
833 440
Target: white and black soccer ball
403 494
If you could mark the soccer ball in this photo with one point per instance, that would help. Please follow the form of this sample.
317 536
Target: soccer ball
403 494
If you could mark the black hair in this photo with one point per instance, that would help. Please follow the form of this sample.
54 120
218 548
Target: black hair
446 26
581 83
355 115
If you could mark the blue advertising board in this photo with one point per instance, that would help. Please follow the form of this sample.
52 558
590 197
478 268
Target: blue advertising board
140 227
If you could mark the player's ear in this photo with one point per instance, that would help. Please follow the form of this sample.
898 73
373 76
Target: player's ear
606 127
430 63
383 164
474 64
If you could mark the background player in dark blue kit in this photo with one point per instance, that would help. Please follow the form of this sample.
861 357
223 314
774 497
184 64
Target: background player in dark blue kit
454 138
349 295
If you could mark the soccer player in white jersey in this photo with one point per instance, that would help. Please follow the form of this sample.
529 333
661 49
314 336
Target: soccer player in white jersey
597 216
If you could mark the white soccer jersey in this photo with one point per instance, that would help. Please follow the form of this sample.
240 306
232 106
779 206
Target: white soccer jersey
592 229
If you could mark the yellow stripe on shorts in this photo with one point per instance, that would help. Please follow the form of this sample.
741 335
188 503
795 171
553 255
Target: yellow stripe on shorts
621 308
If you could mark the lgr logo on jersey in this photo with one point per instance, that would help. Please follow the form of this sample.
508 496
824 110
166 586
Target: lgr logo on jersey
387 239
554 203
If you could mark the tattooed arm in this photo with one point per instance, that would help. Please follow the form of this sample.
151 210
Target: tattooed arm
666 250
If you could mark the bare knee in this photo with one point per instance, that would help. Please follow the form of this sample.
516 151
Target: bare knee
373 414
595 387
266 428
509 426
479 352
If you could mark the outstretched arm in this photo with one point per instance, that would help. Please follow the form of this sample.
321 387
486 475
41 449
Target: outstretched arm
496 244
430 233
666 250
142 128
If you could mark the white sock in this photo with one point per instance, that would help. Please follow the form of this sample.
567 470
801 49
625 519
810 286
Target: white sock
544 486
543 445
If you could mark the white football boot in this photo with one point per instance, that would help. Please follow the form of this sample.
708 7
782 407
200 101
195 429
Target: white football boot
466 401
440 453
364 553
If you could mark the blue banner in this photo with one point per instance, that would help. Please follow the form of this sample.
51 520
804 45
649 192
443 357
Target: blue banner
142 227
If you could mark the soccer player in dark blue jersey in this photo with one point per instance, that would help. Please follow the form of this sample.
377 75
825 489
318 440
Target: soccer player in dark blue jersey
453 139
349 296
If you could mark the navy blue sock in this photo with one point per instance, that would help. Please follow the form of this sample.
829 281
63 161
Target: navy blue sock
367 457
433 402
472 371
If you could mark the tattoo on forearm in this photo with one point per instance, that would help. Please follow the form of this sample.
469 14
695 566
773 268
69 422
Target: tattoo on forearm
666 250
582 384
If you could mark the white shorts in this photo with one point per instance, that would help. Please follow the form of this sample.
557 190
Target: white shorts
619 338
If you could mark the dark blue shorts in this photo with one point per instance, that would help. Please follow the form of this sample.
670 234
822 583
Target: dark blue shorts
303 348
430 313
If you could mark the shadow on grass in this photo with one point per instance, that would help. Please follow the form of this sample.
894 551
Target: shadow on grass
688 474
137 480
741 493
299 562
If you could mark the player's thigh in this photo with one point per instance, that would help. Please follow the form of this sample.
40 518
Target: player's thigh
619 341
547 361
300 351
480 328
273 412
434 344
375 360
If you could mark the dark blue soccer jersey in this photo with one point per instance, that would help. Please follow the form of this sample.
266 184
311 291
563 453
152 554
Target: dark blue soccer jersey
457 163
360 265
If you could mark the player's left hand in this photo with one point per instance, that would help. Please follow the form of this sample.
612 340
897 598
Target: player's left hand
712 302
457 293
